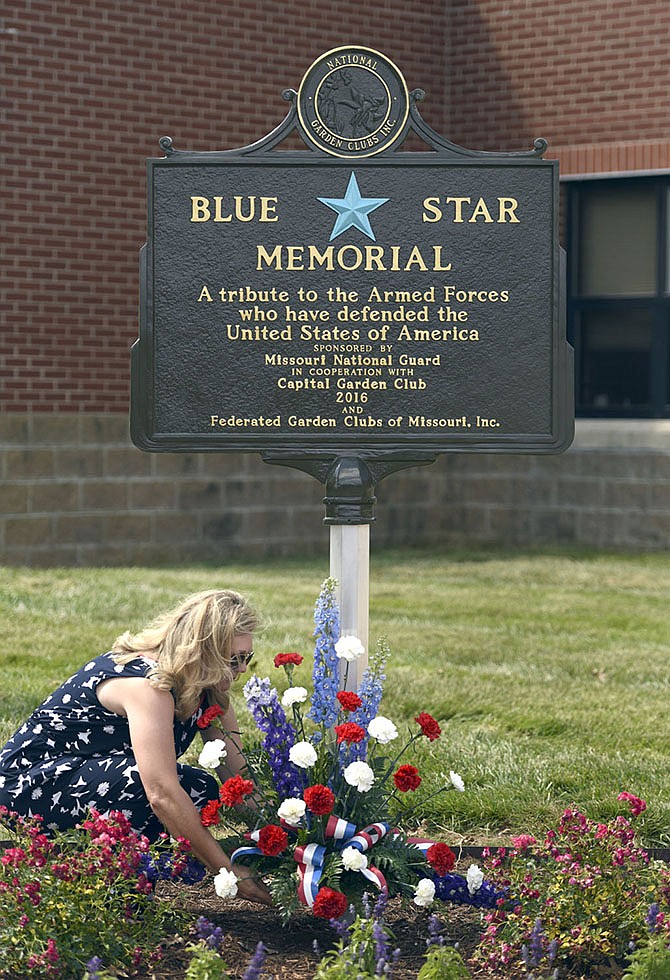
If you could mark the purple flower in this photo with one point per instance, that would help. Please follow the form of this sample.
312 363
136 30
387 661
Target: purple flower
280 736
454 888
533 953
370 692
435 937
212 935
162 868
93 968
652 916
253 971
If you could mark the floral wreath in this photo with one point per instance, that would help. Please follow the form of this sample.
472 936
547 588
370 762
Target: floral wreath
319 788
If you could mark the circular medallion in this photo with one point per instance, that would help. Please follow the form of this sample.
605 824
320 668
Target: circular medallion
353 102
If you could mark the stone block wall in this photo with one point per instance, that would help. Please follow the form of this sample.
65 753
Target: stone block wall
75 491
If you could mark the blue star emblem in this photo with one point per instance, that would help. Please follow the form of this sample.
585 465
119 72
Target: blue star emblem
353 210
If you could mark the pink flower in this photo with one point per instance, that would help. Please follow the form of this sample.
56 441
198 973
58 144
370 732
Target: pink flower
523 842
637 806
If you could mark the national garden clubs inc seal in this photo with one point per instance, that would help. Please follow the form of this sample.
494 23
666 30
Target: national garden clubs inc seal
353 102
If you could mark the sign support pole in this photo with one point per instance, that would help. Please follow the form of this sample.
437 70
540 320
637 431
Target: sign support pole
350 501
350 566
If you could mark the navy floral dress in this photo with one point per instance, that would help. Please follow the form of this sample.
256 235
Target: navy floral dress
72 755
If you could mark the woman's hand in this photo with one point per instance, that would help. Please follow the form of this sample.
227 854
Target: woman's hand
251 888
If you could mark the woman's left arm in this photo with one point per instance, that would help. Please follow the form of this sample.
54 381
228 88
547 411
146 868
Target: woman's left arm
234 762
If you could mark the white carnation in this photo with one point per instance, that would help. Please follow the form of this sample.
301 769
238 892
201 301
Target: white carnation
456 781
475 878
353 859
424 893
292 811
302 754
294 695
349 648
225 883
212 753
382 729
360 775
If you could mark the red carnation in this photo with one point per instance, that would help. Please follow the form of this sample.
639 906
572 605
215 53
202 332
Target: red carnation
288 658
272 840
349 700
441 858
329 904
349 732
235 789
407 777
429 727
319 799
208 715
209 815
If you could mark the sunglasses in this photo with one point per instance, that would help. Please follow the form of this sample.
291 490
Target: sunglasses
238 661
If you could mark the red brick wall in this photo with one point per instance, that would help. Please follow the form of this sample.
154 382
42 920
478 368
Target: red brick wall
573 71
88 89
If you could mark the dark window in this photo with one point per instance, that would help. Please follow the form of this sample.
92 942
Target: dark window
619 296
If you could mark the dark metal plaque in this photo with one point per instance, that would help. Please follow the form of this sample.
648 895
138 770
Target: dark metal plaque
352 298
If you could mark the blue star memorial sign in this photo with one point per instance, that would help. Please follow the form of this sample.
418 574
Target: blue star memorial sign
353 210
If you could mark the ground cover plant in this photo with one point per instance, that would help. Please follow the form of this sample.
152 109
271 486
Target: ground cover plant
546 672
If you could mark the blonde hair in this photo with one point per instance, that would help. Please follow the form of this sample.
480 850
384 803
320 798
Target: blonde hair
192 644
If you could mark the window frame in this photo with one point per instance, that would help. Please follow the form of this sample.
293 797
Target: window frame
657 304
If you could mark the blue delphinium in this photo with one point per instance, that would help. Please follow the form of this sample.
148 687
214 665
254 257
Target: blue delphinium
325 674
370 692
263 703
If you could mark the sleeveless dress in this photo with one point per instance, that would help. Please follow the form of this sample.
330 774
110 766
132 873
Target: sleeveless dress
72 755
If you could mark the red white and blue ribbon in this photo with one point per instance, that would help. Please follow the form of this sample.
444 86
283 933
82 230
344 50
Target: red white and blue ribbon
422 844
247 851
310 858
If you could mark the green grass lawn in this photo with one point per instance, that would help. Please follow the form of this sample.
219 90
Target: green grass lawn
549 672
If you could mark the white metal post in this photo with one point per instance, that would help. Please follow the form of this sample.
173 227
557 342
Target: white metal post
350 565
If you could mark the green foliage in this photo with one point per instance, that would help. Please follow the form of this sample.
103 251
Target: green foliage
362 953
443 963
205 964
651 961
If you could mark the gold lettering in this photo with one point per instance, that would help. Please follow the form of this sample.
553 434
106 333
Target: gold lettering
245 209
200 209
431 205
481 210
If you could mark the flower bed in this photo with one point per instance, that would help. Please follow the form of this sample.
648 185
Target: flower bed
584 898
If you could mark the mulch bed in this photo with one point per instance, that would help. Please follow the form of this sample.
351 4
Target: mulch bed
291 953
290 949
